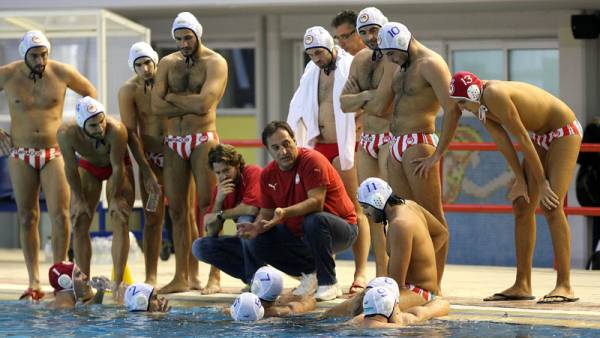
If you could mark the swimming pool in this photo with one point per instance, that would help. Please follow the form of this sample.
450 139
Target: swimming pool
17 319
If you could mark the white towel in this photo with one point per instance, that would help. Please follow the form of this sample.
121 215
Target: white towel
303 115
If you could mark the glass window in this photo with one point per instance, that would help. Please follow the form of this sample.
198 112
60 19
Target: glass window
538 67
240 92
486 64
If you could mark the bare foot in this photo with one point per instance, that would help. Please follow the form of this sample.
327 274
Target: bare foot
195 283
357 286
174 286
211 288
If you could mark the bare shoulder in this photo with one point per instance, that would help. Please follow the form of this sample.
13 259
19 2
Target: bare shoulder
66 130
363 57
495 92
433 63
129 87
115 127
8 70
170 59
214 59
63 70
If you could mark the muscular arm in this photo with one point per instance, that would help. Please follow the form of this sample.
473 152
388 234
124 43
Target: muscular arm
118 147
417 314
401 239
70 160
352 98
384 95
79 83
439 235
211 93
5 74
128 113
505 146
159 105
502 106
436 73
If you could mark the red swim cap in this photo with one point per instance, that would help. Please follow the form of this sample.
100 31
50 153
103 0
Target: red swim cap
465 85
61 276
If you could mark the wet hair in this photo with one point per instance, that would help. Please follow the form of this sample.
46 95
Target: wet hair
227 154
272 127
347 16
395 200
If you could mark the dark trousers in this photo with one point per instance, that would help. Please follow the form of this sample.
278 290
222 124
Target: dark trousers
324 235
231 254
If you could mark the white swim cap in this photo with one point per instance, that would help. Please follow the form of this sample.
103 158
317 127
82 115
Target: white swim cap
189 21
137 297
138 50
267 283
33 39
375 192
87 108
379 301
247 307
318 37
394 35
370 16
386 282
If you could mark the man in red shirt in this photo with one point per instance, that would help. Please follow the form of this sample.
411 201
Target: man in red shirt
306 215
237 197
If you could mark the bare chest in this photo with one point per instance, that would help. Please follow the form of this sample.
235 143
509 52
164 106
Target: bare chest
409 83
44 94
326 87
184 79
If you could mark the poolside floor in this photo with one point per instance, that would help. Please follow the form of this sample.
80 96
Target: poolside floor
464 286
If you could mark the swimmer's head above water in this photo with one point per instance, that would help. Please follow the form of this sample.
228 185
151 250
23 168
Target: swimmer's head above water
267 284
141 297
247 307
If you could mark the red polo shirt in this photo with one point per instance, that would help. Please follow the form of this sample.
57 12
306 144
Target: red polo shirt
280 189
247 191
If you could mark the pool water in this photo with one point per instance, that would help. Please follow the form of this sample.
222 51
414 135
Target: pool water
18 319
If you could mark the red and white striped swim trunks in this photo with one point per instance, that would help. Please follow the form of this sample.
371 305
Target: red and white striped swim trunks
544 140
35 157
399 144
427 295
372 142
185 145
157 158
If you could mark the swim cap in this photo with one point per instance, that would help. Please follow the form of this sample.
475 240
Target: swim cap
33 39
137 297
370 16
61 276
267 283
318 37
374 192
465 85
379 301
189 21
87 108
138 50
386 282
247 307
394 35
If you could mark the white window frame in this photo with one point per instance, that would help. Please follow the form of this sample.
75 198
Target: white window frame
504 45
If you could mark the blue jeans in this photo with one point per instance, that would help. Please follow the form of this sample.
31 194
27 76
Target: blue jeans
231 254
324 235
